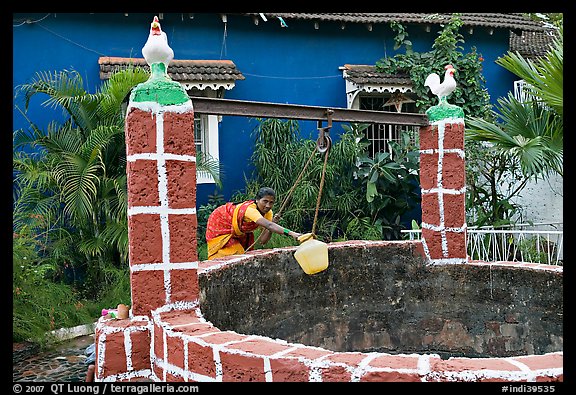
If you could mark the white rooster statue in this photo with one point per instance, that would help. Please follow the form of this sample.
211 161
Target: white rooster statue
159 87
444 89
156 49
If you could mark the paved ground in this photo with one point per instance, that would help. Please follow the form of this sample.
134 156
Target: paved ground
64 363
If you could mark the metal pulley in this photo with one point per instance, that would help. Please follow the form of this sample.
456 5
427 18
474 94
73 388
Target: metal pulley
324 141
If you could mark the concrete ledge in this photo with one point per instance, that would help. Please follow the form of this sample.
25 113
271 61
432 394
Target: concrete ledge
71 333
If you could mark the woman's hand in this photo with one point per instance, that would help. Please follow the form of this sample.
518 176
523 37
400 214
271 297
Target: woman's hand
295 235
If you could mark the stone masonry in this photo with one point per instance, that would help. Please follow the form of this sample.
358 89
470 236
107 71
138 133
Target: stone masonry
442 181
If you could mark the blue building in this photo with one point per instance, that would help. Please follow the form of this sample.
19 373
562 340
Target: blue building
322 60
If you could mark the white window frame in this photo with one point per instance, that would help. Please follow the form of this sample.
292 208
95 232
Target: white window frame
209 141
354 92
210 125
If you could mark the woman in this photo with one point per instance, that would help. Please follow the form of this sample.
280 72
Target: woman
230 228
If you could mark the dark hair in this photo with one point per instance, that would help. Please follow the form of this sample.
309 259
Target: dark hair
265 191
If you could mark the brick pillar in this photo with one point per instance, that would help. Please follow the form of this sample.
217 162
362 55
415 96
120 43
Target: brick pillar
161 171
442 181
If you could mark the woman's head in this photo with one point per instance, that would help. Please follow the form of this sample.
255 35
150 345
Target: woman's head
265 199
265 191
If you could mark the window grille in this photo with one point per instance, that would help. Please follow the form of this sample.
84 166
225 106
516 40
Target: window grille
200 138
380 135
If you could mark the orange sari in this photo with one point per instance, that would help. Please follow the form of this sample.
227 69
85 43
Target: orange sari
229 231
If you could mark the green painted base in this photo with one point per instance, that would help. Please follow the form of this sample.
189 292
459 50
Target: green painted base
443 111
159 89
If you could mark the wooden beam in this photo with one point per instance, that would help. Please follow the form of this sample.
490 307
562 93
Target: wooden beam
213 106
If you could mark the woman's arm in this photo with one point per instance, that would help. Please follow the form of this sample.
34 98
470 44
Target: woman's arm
270 226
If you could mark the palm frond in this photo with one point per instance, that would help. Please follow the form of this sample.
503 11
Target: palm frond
79 181
93 246
531 155
32 171
60 87
120 186
544 76
116 233
64 90
527 119
206 163
115 91
97 141
32 204
527 132
61 140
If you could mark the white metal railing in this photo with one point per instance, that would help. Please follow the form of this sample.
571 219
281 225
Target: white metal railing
517 245
523 92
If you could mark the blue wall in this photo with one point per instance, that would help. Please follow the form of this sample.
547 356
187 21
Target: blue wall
296 64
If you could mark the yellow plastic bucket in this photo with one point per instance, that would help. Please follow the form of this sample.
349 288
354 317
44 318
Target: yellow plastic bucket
312 254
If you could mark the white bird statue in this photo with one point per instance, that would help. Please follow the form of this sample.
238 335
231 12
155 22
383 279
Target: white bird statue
442 90
156 49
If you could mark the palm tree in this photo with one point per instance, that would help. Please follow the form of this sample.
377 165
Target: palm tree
76 176
529 132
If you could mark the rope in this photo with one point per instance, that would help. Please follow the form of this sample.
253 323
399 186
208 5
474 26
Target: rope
295 183
285 203
321 186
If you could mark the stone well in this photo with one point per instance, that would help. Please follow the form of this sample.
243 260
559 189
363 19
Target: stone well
378 313
381 297
382 311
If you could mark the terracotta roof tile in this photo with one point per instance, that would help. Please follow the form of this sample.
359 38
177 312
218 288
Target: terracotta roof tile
530 38
367 74
514 21
531 45
179 69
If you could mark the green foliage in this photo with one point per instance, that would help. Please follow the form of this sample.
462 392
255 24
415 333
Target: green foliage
78 167
523 140
279 158
534 249
69 199
470 93
492 180
527 132
115 289
520 142
36 313
202 250
344 212
530 132
214 201
401 37
391 182
544 76
549 18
